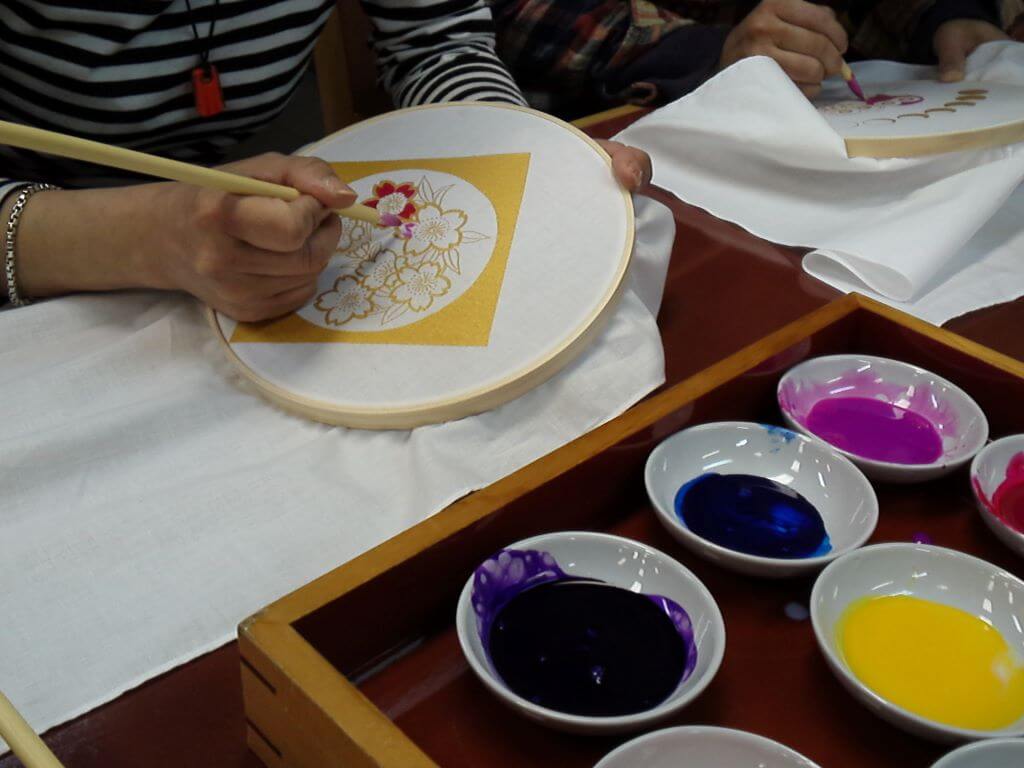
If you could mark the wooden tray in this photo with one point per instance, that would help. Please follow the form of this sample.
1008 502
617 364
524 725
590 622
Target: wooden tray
362 667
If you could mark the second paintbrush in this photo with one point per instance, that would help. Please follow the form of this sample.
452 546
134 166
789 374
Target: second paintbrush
851 80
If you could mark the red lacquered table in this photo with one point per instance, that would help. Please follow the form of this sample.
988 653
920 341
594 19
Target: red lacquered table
725 290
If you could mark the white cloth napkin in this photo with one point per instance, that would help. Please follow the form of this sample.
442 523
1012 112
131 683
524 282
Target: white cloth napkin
748 147
988 270
149 500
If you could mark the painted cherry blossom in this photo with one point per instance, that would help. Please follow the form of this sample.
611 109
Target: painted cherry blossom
436 230
347 299
418 286
405 265
353 233
380 269
394 199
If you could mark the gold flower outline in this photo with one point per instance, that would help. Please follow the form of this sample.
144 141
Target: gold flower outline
348 298
354 233
395 275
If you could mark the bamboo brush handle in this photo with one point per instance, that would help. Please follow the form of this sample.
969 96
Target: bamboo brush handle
22 740
54 143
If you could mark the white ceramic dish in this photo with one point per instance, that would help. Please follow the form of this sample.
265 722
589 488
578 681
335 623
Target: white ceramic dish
989 470
703 746
930 573
837 489
617 561
959 420
991 753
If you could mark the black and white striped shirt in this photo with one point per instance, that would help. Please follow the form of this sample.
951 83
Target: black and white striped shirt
119 71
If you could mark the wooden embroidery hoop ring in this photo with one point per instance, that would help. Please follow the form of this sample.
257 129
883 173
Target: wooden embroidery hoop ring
476 401
937 144
982 137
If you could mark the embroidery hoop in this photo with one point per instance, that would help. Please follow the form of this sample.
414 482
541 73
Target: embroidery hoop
571 342
996 118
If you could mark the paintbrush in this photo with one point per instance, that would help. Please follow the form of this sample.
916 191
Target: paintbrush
53 143
851 80
22 740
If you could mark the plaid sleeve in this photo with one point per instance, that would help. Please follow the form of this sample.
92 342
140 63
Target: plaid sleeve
603 48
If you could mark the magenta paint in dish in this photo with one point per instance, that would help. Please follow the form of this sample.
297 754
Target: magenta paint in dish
898 422
876 430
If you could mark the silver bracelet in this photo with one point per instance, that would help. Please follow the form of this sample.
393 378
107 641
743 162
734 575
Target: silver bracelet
11 235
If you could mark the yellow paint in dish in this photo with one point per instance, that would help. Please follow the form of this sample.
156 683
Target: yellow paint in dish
934 660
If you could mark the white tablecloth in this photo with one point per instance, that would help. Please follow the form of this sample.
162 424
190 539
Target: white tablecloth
149 500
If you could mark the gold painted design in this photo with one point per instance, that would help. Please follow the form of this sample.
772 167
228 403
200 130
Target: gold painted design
403 276
847 107
354 233
391 284
966 97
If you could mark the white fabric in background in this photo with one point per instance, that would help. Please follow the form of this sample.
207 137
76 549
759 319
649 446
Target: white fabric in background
988 270
150 500
749 148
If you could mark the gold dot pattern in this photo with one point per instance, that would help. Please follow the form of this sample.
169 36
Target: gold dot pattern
966 97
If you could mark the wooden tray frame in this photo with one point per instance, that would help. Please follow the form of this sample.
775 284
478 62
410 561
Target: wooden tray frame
303 712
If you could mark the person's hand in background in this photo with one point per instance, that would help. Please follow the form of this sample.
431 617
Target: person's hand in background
955 40
806 40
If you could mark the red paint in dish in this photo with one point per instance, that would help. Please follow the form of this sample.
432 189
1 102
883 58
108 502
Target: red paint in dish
1008 501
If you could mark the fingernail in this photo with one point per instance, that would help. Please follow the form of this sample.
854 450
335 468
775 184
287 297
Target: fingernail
638 177
336 186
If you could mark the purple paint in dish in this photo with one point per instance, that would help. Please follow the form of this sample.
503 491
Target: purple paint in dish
579 645
504 575
875 429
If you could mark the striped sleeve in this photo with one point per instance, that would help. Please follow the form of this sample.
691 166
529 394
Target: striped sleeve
439 50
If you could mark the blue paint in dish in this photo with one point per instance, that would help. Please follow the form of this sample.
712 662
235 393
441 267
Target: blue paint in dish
786 435
778 436
753 515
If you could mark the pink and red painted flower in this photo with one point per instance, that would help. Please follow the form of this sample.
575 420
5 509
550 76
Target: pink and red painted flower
393 199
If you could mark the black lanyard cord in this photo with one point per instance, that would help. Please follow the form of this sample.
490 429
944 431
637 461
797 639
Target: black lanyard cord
204 54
